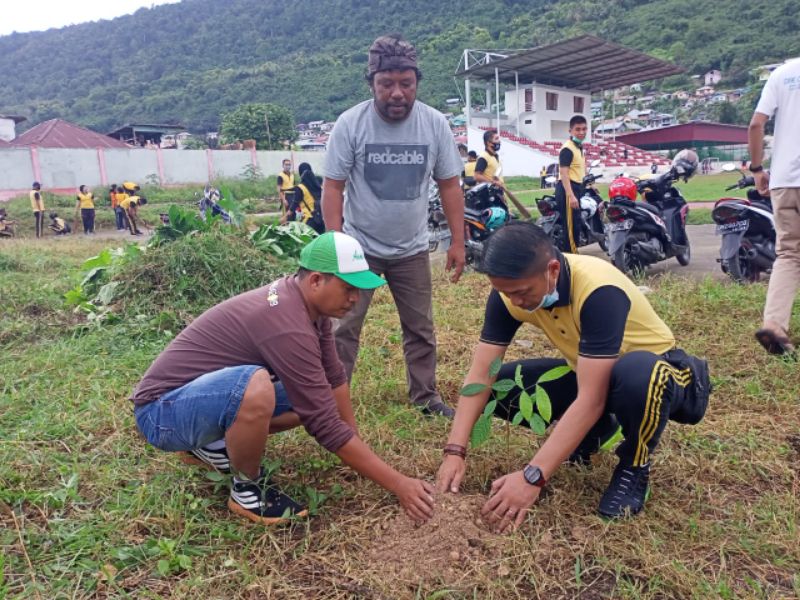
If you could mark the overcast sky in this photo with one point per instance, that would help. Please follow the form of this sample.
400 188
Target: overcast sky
37 15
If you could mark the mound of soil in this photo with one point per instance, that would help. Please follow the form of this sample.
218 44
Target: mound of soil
448 548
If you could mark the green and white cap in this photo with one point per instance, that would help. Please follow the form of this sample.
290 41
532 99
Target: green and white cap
342 255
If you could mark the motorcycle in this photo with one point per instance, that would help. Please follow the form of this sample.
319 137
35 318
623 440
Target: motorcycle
438 230
645 231
592 209
209 204
485 211
747 227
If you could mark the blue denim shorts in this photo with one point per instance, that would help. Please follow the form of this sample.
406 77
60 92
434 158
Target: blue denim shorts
201 411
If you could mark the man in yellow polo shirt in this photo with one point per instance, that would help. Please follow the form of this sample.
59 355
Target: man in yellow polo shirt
620 370
571 170
487 169
37 206
468 174
285 191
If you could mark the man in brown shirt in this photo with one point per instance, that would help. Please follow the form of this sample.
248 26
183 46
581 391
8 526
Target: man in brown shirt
263 362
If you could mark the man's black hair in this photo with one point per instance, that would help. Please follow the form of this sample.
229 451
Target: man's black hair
577 120
517 250
302 273
472 154
487 135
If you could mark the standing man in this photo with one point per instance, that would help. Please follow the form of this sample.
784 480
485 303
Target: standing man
571 170
543 177
619 368
263 362
487 169
385 151
780 98
37 205
285 187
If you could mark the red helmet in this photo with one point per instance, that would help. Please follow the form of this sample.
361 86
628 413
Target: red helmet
622 186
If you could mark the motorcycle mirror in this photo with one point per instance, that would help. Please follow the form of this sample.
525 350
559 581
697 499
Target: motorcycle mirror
728 167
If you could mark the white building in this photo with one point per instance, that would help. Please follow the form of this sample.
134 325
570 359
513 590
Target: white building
8 126
712 77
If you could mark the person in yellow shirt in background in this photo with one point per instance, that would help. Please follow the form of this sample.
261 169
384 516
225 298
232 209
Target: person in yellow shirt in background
120 218
130 202
307 195
58 225
571 170
86 204
37 205
468 174
285 191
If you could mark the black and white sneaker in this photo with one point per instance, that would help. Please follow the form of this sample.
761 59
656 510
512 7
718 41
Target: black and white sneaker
204 457
263 502
435 408
627 492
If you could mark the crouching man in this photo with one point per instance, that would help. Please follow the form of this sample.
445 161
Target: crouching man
620 369
263 362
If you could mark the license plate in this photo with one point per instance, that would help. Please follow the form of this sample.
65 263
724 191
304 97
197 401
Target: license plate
736 227
621 226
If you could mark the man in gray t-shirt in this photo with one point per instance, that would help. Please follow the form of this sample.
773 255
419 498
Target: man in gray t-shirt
384 152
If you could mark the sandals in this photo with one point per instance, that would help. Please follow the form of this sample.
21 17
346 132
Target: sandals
774 343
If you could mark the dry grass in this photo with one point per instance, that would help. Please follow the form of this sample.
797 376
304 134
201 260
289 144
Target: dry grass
95 509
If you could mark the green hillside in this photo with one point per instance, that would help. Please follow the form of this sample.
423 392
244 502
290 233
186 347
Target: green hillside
193 61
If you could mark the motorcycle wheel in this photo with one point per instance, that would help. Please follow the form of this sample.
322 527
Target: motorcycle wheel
685 256
741 270
603 243
624 262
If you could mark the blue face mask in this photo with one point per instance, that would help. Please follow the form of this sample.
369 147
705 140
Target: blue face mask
548 300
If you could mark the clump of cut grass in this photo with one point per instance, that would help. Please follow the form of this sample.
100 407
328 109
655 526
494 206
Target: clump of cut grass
193 273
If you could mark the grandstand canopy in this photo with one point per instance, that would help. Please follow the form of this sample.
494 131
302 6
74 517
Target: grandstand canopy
585 63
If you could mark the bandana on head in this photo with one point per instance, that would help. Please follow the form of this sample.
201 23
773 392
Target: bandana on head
390 52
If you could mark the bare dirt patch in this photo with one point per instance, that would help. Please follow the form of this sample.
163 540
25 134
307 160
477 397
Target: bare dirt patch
453 545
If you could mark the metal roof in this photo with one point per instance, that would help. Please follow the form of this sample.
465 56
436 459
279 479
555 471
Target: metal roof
147 128
57 133
585 63
696 133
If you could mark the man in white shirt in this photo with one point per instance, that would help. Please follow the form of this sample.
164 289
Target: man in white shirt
781 99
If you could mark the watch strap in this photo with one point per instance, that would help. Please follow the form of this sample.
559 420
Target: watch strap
455 450
756 169
534 476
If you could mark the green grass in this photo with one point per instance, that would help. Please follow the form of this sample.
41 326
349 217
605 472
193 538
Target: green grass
89 510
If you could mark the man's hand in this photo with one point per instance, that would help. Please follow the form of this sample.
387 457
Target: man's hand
762 182
451 474
456 259
573 202
508 502
416 498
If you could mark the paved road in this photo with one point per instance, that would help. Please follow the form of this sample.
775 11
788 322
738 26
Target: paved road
705 251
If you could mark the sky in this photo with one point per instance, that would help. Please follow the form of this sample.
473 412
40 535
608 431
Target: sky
38 15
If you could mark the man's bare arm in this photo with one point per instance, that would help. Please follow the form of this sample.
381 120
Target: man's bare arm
333 203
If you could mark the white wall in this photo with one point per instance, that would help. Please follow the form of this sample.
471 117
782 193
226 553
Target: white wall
66 169
516 159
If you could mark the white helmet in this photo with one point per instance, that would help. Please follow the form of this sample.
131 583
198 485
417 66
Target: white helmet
588 206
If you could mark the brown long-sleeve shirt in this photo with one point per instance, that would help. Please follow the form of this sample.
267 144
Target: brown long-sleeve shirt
268 326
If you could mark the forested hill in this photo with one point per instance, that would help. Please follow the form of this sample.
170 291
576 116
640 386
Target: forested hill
193 61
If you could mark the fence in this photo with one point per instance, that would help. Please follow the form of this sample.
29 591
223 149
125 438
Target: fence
62 170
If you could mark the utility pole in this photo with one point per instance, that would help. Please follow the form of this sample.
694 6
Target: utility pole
269 137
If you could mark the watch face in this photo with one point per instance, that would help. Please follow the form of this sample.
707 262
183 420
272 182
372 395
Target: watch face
533 475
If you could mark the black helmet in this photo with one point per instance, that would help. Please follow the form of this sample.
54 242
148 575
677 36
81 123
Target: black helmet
685 163
53 215
36 185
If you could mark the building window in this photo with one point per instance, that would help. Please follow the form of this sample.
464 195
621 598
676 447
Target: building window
528 100
528 121
577 104
551 100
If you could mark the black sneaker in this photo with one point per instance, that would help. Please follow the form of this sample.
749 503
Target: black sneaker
263 502
627 492
436 408
204 457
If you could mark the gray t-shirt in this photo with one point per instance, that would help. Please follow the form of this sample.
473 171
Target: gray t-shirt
388 168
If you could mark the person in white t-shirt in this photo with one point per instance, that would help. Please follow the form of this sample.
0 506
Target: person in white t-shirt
781 99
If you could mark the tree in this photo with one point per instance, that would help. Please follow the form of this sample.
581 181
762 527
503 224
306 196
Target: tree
270 125
727 113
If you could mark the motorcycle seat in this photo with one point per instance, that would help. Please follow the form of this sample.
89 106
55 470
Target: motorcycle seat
473 213
650 207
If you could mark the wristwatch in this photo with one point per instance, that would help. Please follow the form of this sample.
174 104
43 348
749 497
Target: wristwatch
534 476
756 169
